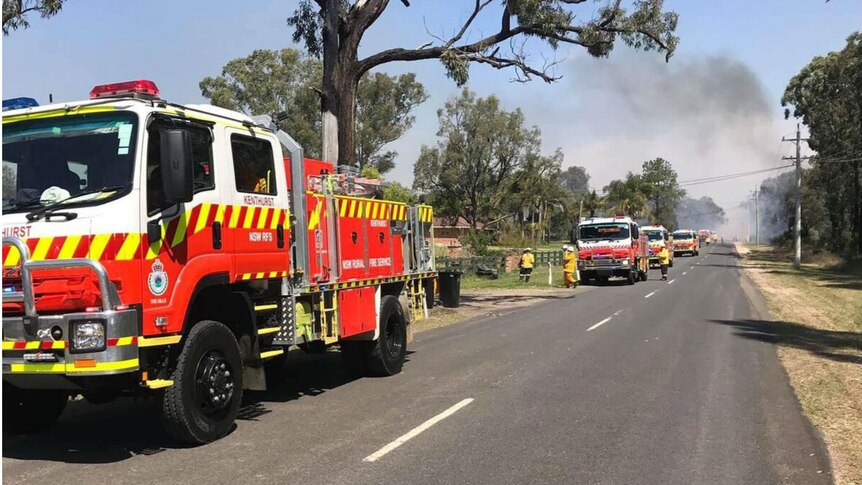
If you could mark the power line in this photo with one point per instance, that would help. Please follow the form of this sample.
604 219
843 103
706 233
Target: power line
721 178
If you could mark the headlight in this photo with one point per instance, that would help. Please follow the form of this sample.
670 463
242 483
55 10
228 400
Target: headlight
88 336
624 262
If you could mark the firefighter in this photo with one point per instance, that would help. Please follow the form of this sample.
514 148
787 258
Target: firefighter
569 263
663 261
528 260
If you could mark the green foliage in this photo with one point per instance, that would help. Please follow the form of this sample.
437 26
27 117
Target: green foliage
627 196
827 96
267 82
370 173
399 193
15 12
478 242
384 114
662 190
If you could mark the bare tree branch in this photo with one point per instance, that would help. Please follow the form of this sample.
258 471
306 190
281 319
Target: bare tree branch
478 8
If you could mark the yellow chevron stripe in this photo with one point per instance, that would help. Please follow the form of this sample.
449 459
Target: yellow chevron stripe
69 247
123 341
220 213
249 217
42 248
368 209
259 276
182 225
245 276
273 274
129 248
352 208
374 211
33 345
234 216
155 341
277 214
156 247
12 257
342 207
261 220
98 245
203 215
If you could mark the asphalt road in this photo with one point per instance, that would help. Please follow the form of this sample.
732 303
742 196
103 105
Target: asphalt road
670 390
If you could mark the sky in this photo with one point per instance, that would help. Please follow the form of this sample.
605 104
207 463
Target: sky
713 109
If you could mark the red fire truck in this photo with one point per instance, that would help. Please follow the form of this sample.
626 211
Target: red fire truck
174 250
611 246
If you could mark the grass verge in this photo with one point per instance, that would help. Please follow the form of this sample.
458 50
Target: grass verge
818 330
538 280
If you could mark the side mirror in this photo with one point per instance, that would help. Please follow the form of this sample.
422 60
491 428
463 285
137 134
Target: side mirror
177 174
635 231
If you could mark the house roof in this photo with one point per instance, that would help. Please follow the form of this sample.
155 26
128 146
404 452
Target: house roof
454 222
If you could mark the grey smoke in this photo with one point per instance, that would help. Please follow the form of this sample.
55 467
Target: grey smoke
708 116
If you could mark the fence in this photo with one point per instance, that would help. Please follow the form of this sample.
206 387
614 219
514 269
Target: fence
498 263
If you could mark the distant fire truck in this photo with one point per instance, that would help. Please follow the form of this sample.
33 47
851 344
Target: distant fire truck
611 246
685 242
152 247
658 237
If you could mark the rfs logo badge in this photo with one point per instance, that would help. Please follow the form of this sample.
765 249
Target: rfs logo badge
158 279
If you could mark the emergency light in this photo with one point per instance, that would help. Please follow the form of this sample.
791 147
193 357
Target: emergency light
19 103
141 88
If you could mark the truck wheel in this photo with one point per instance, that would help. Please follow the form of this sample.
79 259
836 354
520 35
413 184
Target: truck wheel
630 278
31 410
388 352
203 403
355 354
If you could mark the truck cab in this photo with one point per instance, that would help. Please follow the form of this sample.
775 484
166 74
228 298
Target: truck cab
611 247
685 242
658 238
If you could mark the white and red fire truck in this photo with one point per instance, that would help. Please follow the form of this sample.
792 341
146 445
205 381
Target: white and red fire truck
152 247
685 242
611 246
658 237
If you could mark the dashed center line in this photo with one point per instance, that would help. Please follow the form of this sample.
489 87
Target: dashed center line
651 294
617 312
606 320
671 281
684 273
416 431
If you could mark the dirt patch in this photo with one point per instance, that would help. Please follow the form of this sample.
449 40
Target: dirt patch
817 326
490 302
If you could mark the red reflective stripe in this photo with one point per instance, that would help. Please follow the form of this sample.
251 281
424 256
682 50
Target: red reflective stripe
112 342
20 345
83 247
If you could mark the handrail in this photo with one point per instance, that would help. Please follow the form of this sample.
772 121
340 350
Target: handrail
109 298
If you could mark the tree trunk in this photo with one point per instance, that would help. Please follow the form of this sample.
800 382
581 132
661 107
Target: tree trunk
347 86
329 100
857 206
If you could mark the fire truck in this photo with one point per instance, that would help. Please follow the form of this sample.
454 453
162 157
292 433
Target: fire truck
179 251
611 247
658 237
685 242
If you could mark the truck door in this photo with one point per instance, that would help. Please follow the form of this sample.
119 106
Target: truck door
258 216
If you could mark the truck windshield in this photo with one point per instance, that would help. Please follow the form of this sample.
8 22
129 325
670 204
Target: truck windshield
683 236
51 159
654 235
603 231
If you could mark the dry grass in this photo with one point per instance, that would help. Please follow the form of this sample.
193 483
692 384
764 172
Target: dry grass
819 336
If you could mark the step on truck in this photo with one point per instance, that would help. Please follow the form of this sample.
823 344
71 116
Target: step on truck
179 251
611 247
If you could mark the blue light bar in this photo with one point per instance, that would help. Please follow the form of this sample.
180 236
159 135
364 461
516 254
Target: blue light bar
19 103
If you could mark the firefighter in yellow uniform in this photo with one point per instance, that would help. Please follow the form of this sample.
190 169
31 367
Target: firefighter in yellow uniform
569 262
528 260
664 261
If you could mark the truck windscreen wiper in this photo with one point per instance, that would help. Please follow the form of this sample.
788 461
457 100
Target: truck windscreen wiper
49 209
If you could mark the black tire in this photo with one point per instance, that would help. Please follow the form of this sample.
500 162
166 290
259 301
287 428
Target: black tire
630 278
208 365
355 354
389 350
31 410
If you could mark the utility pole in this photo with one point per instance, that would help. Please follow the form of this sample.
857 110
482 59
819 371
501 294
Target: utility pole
748 222
756 219
797 230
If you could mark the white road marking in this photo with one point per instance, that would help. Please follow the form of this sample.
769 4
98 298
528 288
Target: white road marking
416 431
617 312
606 320
684 273
651 294
671 281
